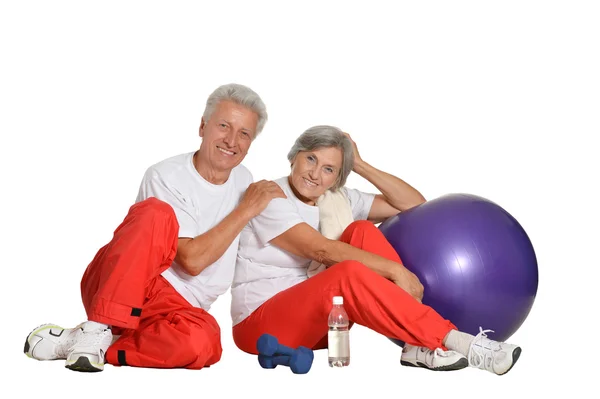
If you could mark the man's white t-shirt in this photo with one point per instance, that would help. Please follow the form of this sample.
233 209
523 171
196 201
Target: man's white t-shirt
263 270
199 206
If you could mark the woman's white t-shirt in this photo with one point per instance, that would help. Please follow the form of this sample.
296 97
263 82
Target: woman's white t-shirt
263 270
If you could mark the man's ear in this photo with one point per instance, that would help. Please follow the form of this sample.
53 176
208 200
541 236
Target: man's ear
202 125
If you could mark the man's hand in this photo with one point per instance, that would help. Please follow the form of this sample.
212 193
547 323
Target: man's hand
258 195
410 283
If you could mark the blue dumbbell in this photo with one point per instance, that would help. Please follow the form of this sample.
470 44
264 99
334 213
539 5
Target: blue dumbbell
270 362
298 365
272 353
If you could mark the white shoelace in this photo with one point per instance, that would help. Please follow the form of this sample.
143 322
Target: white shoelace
479 355
438 352
441 353
89 340
66 342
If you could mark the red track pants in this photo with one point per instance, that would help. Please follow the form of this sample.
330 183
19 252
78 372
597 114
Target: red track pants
123 287
298 316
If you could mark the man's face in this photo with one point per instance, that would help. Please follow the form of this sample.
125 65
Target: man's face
227 135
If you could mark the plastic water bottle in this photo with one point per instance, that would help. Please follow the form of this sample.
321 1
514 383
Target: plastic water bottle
338 337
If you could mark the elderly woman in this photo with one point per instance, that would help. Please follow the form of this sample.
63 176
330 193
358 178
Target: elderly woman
279 287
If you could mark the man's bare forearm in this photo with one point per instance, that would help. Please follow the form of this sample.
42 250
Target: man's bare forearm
196 254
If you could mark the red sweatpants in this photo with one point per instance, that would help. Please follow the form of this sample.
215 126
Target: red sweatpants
298 316
122 286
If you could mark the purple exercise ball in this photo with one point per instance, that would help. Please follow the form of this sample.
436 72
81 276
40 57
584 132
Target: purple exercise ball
475 261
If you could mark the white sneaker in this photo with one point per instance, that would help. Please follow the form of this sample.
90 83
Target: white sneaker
88 352
437 360
50 342
496 357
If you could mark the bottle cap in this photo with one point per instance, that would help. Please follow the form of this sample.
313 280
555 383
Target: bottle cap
338 300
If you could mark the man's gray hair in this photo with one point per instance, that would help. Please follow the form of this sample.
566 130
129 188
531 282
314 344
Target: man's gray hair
326 136
241 95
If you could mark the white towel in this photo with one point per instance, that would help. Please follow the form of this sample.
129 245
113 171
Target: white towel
335 215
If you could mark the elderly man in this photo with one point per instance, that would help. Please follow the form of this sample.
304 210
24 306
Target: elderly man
173 255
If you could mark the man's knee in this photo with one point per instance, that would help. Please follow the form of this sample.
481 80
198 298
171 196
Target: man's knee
153 204
153 209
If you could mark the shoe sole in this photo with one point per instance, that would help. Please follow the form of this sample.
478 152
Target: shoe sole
515 356
83 364
459 365
35 331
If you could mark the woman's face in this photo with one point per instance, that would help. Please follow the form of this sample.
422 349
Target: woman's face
314 172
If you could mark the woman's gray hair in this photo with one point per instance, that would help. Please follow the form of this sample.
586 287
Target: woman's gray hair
326 136
241 95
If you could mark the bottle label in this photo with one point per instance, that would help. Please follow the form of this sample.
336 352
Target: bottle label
338 343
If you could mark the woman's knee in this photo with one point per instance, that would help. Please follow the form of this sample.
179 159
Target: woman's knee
364 225
349 268
361 227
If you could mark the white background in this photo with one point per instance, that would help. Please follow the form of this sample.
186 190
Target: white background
498 99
